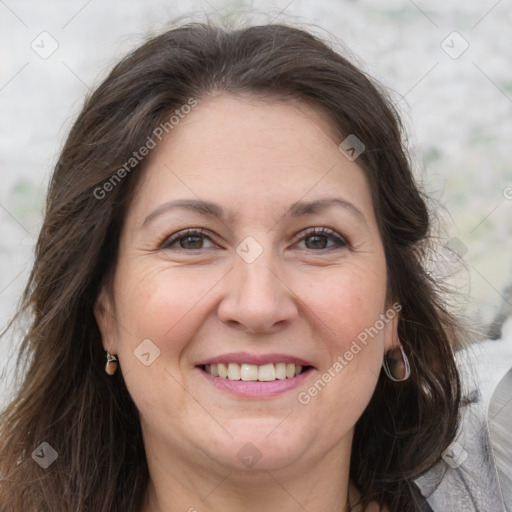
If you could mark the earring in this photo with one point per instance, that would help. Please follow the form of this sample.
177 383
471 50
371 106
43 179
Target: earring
111 365
397 369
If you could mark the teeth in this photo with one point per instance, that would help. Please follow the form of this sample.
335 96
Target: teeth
252 372
249 372
281 371
222 370
267 372
233 371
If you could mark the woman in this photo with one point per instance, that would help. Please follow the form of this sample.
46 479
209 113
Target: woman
230 309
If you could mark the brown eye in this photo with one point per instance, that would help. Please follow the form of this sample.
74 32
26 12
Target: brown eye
191 242
190 239
316 242
321 238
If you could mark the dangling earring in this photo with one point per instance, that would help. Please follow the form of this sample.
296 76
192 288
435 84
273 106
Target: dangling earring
111 365
398 368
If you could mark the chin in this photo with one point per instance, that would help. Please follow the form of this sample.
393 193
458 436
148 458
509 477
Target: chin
261 447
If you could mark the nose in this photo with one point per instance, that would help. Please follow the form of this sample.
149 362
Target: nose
257 298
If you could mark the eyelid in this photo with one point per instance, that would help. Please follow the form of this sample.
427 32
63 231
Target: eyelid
301 235
174 237
321 231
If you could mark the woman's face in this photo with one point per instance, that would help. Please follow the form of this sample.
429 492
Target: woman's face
220 269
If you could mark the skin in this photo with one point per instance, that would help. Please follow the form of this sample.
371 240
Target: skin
309 298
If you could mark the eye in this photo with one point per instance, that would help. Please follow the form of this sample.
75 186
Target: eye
320 238
188 239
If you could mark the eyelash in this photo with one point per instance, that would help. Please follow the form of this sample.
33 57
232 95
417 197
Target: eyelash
339 242
329 233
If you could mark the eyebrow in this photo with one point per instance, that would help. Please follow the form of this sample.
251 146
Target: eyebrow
311 207
206 208
298 209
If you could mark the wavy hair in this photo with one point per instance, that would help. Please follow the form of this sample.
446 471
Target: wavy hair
67 400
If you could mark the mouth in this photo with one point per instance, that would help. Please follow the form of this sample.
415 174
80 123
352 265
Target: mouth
255 375
258 373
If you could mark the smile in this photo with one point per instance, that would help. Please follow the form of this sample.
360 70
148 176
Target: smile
251 372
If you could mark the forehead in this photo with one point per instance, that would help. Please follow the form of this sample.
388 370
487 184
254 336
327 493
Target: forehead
251 155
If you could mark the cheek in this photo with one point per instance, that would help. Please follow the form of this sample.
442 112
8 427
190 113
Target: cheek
349 306
347 301
159 311
347 309
161 303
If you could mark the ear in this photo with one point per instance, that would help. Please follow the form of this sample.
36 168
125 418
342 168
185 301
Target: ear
104 312
391 339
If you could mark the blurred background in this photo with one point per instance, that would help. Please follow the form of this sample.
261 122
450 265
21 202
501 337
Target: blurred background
445 64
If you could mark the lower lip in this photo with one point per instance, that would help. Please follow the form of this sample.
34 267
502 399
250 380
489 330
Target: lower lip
255 388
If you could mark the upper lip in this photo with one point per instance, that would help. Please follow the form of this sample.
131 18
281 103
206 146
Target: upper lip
256 359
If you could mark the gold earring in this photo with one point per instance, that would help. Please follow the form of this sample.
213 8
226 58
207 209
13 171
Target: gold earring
111 365
398 368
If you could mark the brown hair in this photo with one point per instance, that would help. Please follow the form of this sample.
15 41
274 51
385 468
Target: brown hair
67 400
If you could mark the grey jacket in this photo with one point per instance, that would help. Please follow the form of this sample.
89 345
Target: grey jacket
475 474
